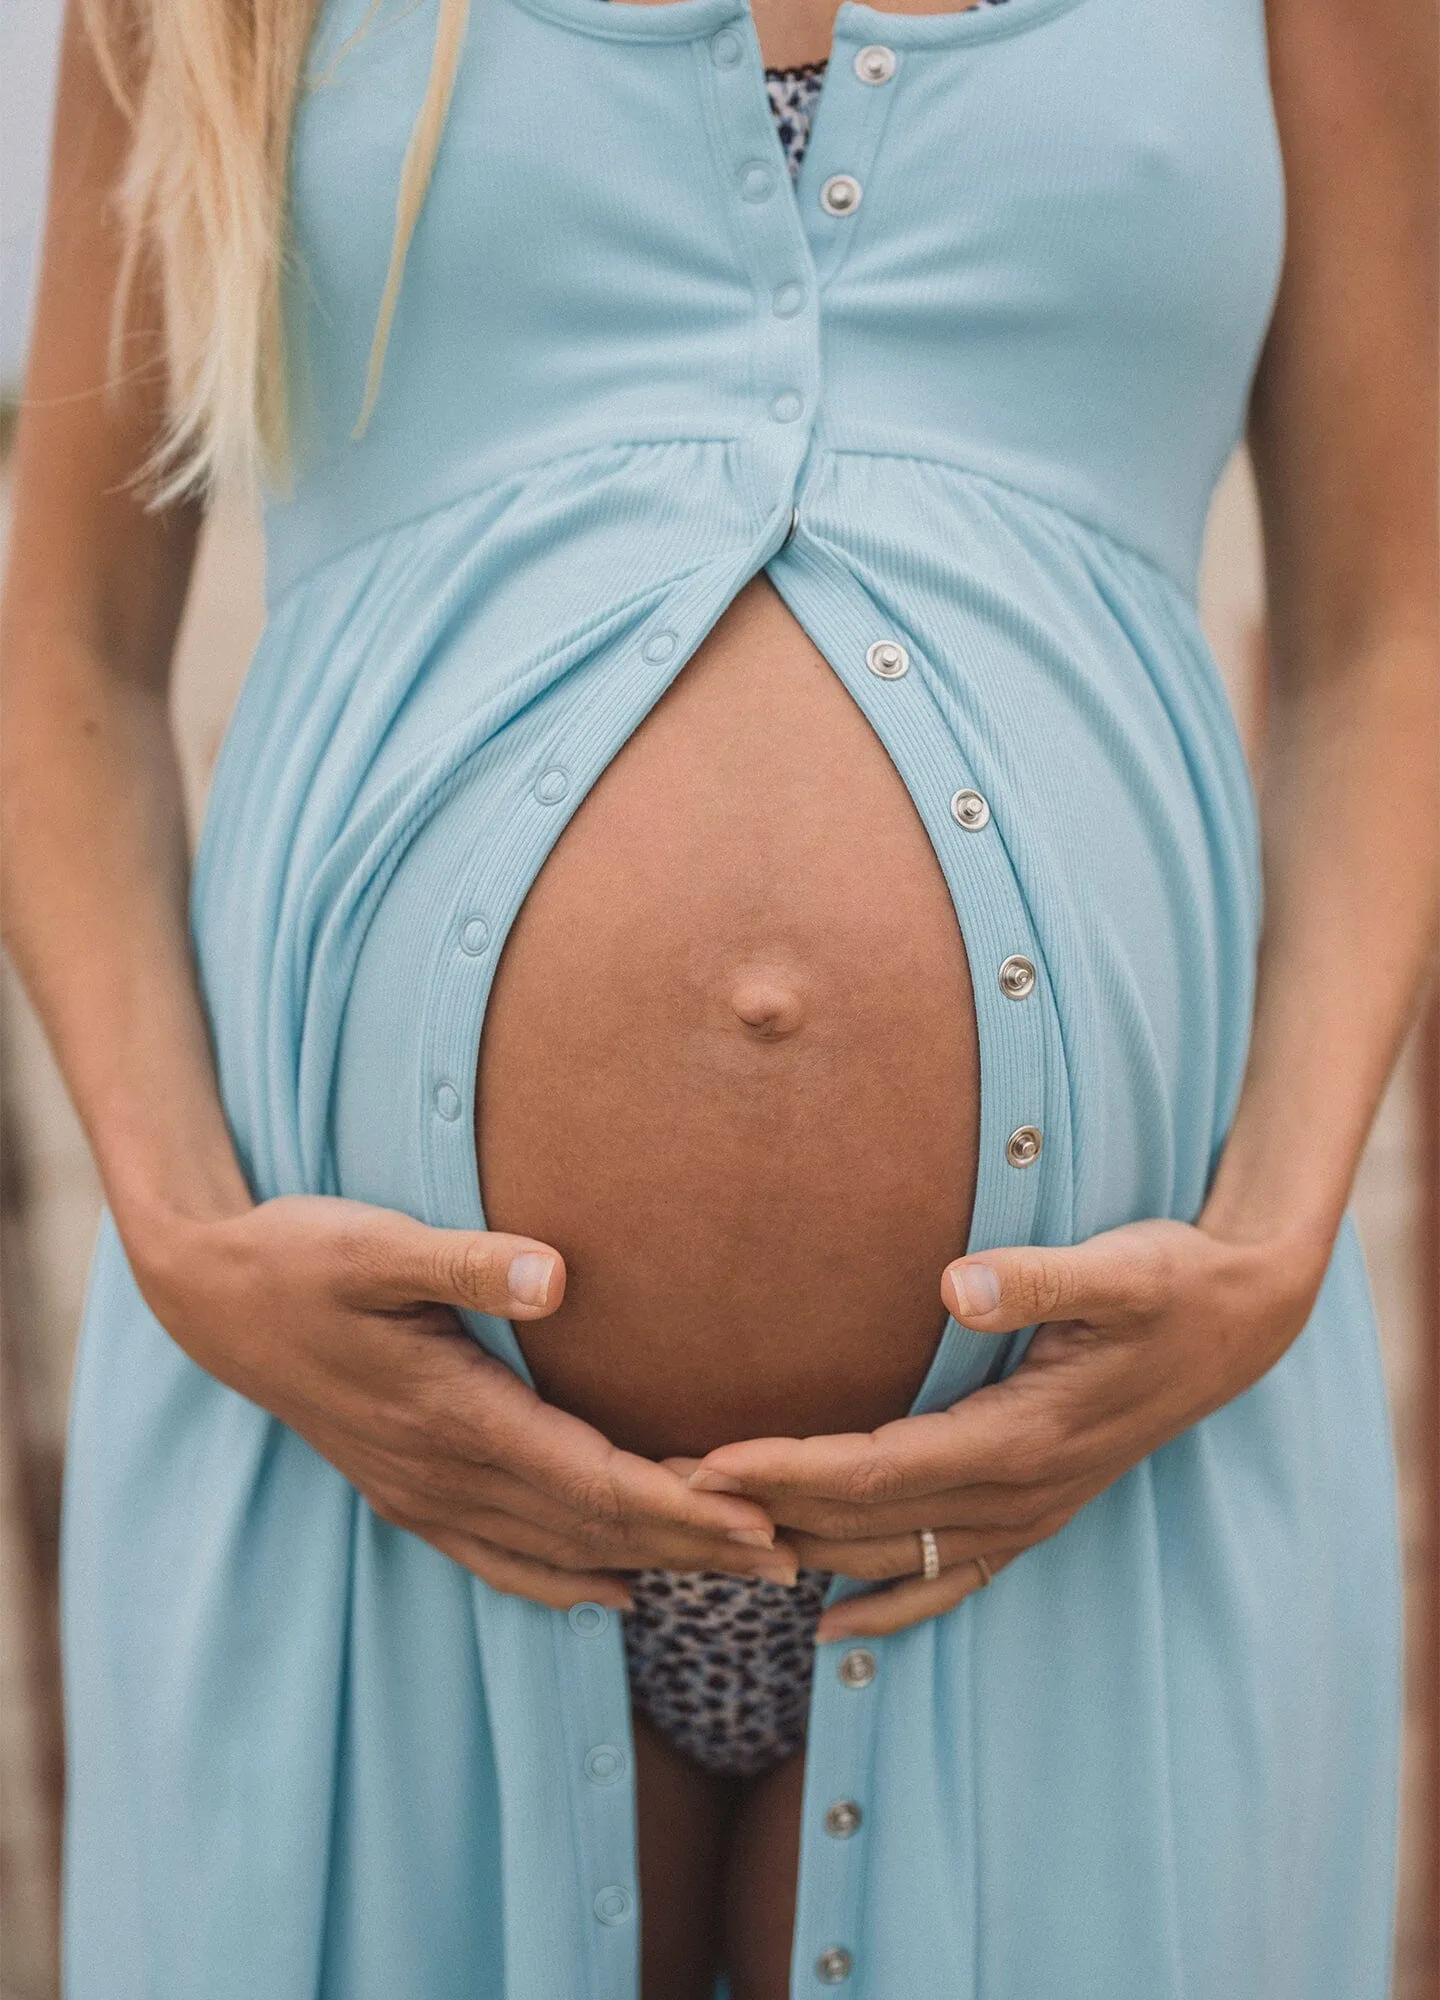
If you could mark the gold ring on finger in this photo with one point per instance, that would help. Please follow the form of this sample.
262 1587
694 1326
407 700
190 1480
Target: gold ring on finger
929 1555
986 1573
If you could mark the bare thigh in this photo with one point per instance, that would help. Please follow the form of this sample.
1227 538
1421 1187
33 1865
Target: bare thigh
718 1864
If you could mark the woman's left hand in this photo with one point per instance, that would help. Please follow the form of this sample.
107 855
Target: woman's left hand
1141 1332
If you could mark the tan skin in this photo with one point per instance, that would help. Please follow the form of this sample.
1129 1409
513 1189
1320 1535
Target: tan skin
335 1317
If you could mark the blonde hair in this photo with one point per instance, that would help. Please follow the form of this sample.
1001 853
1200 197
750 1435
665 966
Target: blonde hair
209 88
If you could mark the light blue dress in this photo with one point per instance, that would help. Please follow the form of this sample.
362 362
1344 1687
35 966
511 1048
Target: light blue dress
312 1759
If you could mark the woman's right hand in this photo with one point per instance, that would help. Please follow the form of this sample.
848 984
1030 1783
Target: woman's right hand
336 1317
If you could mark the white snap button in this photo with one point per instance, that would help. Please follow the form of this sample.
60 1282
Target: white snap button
787 406
887 658
474 936
971 810
1022 1148
551 787
858 1667
833 1967
787 299
840 195
604 1764
757 181
447 1101
613 1905
589 1620
659 647
1017 978
875 63
842 1819
725 49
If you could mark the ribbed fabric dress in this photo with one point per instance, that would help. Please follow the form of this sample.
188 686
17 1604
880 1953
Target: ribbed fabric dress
975 402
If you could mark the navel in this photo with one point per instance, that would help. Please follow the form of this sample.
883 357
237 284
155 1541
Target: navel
770 1006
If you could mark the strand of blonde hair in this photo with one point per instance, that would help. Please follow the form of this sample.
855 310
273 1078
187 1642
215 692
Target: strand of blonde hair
209 88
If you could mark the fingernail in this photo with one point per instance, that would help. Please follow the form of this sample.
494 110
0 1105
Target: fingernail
715 1482
778 1573
753 1538
976 1287
529 1278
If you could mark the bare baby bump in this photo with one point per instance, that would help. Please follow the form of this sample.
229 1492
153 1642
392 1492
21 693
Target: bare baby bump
729 1066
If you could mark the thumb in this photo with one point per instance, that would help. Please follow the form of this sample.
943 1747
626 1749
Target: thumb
481 1270
1113 1276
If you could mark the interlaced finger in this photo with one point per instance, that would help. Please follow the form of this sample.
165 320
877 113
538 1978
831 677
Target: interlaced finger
998 1436
518 1577
899 1557
878 1613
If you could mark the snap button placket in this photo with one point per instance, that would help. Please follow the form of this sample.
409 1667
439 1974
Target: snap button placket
857 1668
970 810
613 1904
841 194
605 1764
888 659
727 51
659 647
874 63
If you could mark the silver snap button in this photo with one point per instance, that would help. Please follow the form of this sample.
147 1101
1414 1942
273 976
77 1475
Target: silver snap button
971 810
787 299
1022 1148
604 1764
551 787
842 1819
833 1967
840 195
757 181
1017 978
858 1667
794 524
474 936
887 658
589 1620
613 1905
725 49
659 646
875 63
787 406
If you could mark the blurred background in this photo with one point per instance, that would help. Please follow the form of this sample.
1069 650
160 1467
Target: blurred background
49 1198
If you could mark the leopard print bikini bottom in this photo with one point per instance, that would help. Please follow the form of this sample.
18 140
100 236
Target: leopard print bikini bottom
721 1665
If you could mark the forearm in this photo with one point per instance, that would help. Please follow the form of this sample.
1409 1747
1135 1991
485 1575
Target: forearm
95 872
1351 815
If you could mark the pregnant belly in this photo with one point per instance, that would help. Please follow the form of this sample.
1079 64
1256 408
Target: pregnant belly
729 1066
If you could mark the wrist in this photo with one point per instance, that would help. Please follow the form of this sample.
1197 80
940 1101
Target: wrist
1289 1253
159 1216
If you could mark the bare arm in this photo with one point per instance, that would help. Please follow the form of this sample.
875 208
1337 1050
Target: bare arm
94 840
1342 435
1151 1327
332 1315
